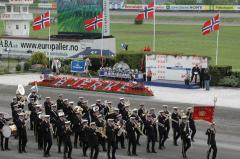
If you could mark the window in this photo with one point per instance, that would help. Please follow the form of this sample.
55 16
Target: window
24 9
9 8
16 8
17 27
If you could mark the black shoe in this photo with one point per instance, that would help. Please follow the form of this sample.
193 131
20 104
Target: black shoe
154 151
123 147
19 151
59 152
45 155
8 149
134 154
184 155
160 147
148 151
69 157
175 144
2 149
24 151
138 144
193 140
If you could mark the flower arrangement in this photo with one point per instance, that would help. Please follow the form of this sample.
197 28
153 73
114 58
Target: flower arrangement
93 84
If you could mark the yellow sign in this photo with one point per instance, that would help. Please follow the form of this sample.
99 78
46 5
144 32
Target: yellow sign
224 7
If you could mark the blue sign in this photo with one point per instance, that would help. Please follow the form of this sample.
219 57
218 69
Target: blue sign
77 66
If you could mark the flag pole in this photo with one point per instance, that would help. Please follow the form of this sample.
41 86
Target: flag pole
102 38
154 27
217 42
49 38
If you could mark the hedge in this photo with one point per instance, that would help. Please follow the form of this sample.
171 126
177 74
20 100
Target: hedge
219 72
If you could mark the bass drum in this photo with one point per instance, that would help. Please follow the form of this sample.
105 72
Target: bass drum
8 131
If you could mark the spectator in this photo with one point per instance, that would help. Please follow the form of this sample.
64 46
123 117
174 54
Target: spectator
202 83
207 79
149 75
195 73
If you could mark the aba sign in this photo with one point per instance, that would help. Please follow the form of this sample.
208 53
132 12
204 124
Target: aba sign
77 66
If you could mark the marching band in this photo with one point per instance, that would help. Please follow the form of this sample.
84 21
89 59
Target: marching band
100 124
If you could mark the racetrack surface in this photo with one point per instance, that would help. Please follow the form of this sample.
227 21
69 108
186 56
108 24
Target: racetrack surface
227 119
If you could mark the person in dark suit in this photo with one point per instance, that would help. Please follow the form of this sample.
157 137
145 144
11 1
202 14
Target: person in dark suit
84 136
201 75
3 122
121 105
139 122
38 127
80 102
132 139
211 133
47 105
111 138
121 124
77 119
191 123
54 118
60 102
31 109
67 140
195 73
22 133
125 113
150 133
34 95
100 123
162 129
185 135
175 125
47 137
93 141
60 129
167 121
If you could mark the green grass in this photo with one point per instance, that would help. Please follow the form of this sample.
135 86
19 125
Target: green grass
182 39
173 39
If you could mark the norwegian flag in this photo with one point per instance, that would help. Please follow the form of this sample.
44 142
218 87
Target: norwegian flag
211 25
94 23
146 13
41 21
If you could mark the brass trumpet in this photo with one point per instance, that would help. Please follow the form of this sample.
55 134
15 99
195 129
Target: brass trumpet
102 131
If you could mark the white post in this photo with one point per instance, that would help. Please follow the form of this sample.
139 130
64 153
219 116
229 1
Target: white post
49 38
217 42
103 25
215 100
154 27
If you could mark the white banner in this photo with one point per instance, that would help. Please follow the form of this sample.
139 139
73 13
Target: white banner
106 28
20 1
169 67
57 48
184 7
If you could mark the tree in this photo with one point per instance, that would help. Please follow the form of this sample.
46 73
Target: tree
39 58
